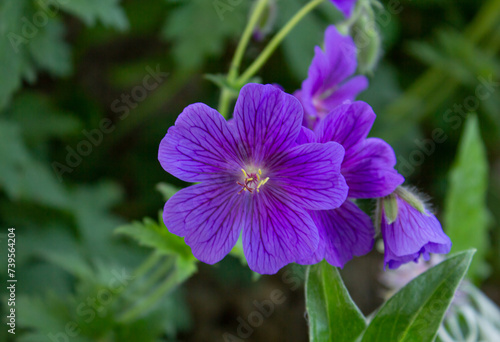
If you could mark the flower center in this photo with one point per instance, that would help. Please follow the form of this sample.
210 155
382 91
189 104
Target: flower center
252 181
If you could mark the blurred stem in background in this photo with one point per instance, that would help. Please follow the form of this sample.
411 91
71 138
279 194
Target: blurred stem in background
227 95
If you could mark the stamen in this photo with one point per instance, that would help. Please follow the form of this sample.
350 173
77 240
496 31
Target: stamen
262 182
252 181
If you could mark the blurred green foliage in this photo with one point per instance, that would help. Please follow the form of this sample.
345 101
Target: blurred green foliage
63 64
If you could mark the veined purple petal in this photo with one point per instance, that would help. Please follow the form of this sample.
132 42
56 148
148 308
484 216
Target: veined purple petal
347 92
266 122
369 170
344 232
345 6
347 125
210 215
411 235
331 67
200 146
277 233
309 176
306 136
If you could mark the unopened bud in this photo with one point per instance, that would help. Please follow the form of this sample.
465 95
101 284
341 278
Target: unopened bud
390 207
266 21
368 42
410 198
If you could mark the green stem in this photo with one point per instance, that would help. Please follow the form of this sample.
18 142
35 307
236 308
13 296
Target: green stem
224 100
226 96
277 39
168 284
158 274
487 18
245 38
146 265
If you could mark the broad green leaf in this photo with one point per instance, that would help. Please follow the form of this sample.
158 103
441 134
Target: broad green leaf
466 216
152 234
417 310
333 316
108 12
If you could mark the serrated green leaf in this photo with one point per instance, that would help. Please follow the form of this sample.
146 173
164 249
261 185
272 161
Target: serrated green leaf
466 215
108 12
49 50
152 234
194 43
333 316
24 177
40 122
417 310
12 54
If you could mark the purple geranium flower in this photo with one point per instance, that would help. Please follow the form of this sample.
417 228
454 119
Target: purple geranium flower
254 177
414 231
368 168
328 84
345 6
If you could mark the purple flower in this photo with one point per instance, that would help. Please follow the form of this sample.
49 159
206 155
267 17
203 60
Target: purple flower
345 6
328 84
368 168
409 230
253 177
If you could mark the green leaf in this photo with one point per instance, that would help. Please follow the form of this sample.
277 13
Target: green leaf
214 26
333 316
466 216
39 121
24 177
49 50
417 310
152 234
108 12
12 56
